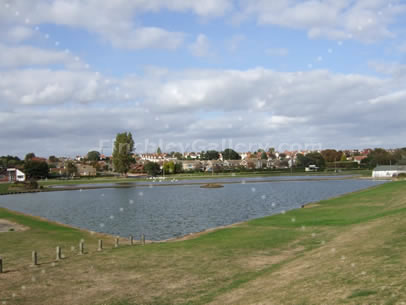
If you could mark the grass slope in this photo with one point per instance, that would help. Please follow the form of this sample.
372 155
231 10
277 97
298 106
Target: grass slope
347 250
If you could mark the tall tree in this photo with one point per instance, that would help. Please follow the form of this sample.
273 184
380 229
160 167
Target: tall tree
53 159
29 156
210 155
71 169
331 155
264 156
122 153
93 155
230 154
36 169
310 159
152 168
159 151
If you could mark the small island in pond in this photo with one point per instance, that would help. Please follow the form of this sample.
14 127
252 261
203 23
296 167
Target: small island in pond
212 186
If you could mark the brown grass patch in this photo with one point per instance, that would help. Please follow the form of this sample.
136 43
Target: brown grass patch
9 226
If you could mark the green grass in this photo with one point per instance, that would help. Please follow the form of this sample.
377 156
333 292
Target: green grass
289 262
4 188
362 293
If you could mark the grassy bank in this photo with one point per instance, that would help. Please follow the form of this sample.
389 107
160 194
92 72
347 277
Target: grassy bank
347 250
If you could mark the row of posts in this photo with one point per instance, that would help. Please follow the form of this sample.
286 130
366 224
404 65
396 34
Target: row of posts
34 256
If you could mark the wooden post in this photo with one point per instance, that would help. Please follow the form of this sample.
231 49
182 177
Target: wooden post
1 265
100 245
34 258
117 243
58 253
81 247
143 239
131 240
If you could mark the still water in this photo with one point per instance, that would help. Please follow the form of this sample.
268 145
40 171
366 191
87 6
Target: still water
162 212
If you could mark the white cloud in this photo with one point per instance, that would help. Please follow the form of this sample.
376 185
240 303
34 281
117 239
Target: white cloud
395 97
47 87
11 57
277 52
148 37
364 20
16 34
112 20
201 47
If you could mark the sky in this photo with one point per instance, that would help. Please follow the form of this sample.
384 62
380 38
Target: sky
197 75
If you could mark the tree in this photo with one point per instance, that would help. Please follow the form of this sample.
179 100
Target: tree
230 154
152 168
331 155
264 156
71 169
343 158
169 167
379 156
178 156
93 155
122 153
53 159
400 156
271 152
10 161
159 151
210 155
310 159
36 169
178 167
29 157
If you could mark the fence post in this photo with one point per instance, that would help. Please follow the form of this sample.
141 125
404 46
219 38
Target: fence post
1 265
34 258
100 245
143 239
81 247
58 253
116 243
131 240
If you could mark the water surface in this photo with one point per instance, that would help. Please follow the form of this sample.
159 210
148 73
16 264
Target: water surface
167 212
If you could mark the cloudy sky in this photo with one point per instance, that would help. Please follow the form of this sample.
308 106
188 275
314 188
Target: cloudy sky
194 75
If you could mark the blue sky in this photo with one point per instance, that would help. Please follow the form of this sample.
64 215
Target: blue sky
287 73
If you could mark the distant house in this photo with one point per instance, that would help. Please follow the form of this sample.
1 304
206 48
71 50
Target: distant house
15 174
85 170
191 165
253 163
231 164
61 171
359 159
213 165
388 171
312 168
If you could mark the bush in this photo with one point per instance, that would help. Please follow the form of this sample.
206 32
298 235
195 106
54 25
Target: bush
32 184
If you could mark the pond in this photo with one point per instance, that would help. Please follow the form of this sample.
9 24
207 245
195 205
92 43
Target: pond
163 212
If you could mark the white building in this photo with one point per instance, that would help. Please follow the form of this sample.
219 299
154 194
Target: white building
15 175
388 171
311 168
